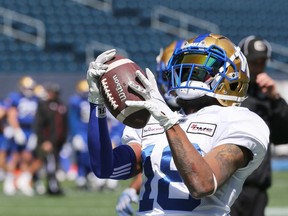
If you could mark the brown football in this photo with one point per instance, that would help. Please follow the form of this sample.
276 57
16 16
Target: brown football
115 91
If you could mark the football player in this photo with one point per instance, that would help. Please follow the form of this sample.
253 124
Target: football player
78 121
3 140
21 111
51 128
192 164
40 92
130 194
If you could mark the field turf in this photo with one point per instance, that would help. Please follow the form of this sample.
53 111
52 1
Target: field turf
83 203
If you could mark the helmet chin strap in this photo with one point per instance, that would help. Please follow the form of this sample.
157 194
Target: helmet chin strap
171 100
199 91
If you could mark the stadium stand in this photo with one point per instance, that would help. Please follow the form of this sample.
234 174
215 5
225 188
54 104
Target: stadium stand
71 25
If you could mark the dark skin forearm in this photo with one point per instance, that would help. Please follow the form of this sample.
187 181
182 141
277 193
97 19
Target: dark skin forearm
197 171
136 182
190 163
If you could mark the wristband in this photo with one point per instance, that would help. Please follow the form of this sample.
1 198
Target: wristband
215 185
100 111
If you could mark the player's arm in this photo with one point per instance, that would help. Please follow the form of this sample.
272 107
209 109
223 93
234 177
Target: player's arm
2 112
12 120
73 116
129 196
120 162
106 162
202 175
12 117
11 111
136 183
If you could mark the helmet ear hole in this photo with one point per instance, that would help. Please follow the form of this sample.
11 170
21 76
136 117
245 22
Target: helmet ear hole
233 86
165 76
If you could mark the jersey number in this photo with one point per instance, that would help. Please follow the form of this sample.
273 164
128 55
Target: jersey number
171 176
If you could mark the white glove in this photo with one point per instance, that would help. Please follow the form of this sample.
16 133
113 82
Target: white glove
123 206
78 143
95 70
8 132
32 142
19 136
154 102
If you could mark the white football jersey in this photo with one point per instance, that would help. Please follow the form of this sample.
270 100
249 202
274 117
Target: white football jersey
163 191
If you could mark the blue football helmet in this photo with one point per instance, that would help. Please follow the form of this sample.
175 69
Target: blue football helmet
211 65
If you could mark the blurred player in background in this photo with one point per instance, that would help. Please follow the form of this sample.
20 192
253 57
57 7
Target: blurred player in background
21 109
78 120
130 194
51 126
188 161
265 100
38 184
40 92
161 68
3 141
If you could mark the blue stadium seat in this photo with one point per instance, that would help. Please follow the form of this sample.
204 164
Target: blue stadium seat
71 26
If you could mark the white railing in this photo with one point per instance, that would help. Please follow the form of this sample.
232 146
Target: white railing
104 5
14 23
183 24
94 46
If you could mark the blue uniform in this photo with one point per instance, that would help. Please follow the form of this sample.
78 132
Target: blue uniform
163 191
26 107
3 140
78 122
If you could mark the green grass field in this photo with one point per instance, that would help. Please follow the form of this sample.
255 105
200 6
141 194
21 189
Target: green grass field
278 195
81 203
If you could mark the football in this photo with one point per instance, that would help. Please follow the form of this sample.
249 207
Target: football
115 91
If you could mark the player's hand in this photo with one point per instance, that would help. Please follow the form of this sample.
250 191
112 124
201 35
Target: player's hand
154 102
32 142
95 70
123 207
8 132
78 143
19 136
47 146
267 85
